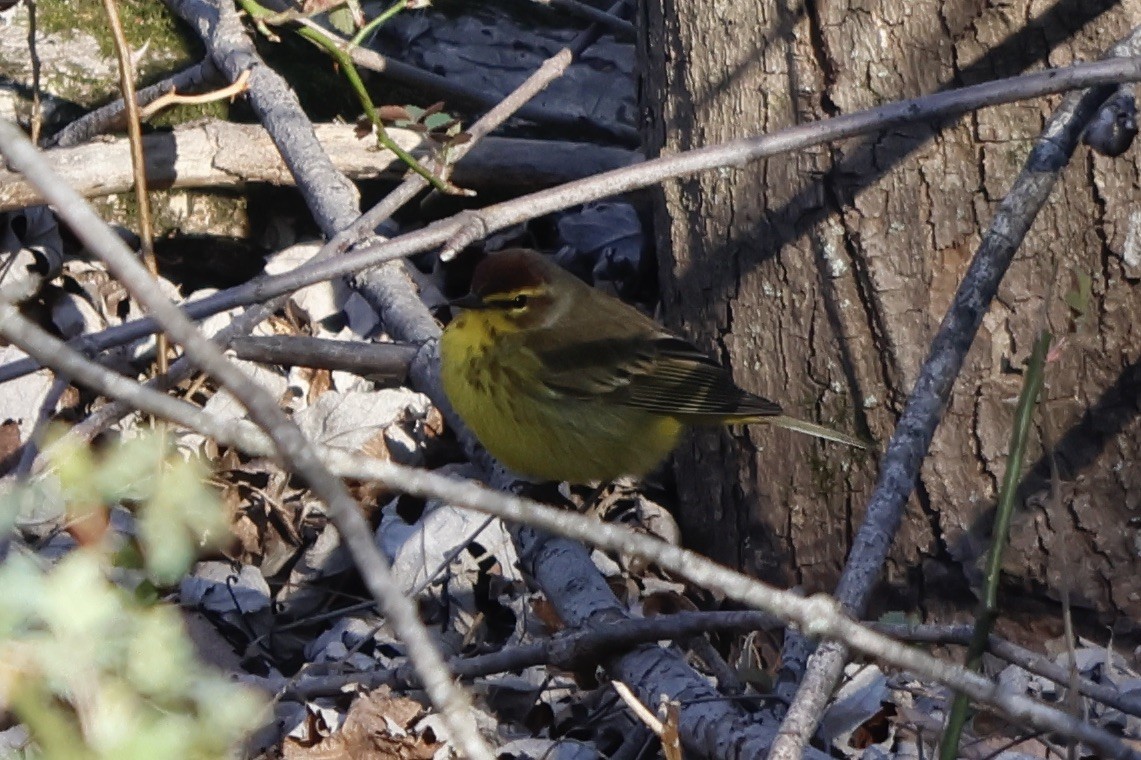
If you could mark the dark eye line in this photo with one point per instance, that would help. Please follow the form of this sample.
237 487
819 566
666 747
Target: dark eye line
515 302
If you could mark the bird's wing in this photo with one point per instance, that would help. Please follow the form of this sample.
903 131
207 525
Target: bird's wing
656 372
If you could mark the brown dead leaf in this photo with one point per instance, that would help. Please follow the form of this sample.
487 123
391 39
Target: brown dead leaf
393 113
756 660
434 423
88 523
666 603
295 321
9 441
874 730
249 549
545 611
370 495
230 460
432 110
70 399
377 447
320 381
987 724
379 726
362 128
625 588
264 508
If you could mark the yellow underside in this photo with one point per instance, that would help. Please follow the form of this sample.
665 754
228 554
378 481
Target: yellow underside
538 433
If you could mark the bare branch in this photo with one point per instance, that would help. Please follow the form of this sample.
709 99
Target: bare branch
34 58
199 76
387 360
1038 664
221 154
606 19
175 98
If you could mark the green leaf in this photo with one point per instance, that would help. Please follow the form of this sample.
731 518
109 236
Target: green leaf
341 19
1079 298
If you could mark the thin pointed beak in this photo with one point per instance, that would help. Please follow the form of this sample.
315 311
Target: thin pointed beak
470 301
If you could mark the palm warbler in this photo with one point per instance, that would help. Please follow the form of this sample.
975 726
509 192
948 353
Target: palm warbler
560 381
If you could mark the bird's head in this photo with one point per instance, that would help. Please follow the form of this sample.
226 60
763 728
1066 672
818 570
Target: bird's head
519 289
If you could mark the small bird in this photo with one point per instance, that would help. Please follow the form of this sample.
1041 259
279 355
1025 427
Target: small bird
560 381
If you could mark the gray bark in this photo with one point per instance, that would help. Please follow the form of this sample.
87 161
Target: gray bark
821 276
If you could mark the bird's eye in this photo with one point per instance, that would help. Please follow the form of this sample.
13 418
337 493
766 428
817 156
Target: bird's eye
518 302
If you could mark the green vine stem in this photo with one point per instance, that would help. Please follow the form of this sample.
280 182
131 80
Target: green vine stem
988 606
366 30
261 15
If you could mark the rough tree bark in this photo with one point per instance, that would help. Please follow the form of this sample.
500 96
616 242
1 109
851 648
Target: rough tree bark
821 276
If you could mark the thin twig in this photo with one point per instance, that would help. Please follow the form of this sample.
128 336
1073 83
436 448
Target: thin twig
1073 684
1079 708
200 75
1038 664
34 59
174 98
138 161
640 710
605 19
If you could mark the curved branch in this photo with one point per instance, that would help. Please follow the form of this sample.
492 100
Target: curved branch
198 77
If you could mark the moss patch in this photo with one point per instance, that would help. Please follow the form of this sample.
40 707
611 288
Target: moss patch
144 21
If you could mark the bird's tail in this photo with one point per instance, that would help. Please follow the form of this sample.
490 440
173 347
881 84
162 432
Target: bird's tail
819 431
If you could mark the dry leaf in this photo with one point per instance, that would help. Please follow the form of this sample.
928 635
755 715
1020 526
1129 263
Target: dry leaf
379 726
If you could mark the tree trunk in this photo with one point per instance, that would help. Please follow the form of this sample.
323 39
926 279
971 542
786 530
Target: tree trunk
821 276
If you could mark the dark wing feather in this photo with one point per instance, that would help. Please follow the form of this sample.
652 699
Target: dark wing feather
656 372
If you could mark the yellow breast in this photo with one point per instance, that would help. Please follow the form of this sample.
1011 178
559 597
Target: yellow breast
493 383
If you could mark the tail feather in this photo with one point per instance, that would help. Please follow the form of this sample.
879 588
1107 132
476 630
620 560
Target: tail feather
818 431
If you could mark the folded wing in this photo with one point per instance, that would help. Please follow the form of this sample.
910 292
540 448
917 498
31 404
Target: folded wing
656 372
